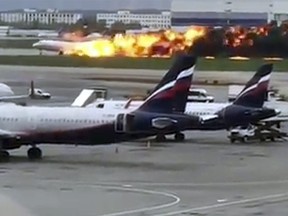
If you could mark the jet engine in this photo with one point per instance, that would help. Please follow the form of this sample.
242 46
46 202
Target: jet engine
161 123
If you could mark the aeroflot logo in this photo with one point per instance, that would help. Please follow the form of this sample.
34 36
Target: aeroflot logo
171 84
263 79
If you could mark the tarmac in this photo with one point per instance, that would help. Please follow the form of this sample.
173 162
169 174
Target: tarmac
205 175
23 52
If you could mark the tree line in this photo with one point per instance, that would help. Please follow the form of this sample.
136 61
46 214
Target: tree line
266 41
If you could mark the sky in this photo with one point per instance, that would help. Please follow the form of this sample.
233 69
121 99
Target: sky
85 4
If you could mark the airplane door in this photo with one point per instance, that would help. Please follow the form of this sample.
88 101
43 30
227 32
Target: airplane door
124 122
32 122
119 123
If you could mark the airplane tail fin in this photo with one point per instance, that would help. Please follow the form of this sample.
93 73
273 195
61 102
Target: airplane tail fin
181 90
176 82
255 91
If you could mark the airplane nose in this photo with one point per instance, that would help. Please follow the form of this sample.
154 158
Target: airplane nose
37 44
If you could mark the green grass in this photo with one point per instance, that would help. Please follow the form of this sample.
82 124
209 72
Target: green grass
220 64
17 43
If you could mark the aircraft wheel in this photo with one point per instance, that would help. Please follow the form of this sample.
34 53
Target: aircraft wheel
179 137
4 156
262 139
34 153
160 138
244 139
61 53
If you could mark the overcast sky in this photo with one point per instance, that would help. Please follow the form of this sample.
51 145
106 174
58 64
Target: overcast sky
85 4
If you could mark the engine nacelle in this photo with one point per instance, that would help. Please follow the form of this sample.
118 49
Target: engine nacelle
129 123
11 143
162 123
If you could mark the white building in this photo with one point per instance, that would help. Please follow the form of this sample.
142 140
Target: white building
151 20
42 16
228 12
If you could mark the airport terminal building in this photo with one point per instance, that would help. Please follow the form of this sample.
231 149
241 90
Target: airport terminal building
227 12
48 16
161 19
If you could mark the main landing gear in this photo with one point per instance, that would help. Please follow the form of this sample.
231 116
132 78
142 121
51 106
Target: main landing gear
34 153
179 137
4 156
160 138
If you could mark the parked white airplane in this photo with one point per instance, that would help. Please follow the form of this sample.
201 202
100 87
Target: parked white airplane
7 94
62 45
34 125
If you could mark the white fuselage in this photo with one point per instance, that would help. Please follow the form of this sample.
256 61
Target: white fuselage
16 118
54 45
192 108
64 45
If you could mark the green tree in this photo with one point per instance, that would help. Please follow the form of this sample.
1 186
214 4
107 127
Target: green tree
118 27
35 24
133 25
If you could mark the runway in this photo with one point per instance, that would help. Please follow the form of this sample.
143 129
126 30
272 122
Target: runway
205 175
23 52
195 177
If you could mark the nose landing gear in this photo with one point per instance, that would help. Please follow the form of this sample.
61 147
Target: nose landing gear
34 153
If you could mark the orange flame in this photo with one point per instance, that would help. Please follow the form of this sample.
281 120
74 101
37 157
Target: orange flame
161 44
158 44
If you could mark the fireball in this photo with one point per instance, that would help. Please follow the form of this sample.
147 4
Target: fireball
138 45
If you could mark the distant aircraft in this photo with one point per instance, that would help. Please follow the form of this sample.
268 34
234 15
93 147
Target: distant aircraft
87 126
61 45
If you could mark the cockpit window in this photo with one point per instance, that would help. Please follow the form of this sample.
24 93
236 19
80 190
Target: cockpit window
101 105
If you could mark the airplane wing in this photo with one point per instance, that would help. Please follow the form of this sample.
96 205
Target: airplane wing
207 118
18 99
276 119
281 108
9 134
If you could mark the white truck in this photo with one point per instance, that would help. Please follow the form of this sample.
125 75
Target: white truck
250 132
38 93
199 95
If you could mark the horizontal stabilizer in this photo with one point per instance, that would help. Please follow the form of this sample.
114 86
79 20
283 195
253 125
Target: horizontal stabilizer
208 118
